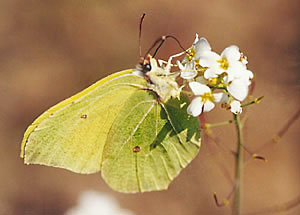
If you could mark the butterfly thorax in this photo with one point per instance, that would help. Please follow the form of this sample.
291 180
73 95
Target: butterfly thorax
160 80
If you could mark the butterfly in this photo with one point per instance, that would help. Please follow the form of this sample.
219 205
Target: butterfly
132 126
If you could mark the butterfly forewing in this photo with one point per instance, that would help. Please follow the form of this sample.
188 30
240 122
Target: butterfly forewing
72 134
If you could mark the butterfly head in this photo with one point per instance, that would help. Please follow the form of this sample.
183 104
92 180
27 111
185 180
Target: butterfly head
145 64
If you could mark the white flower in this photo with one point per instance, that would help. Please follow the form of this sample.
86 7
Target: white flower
229 60
199 45
221 98
228 70
204 100
238 82
95 203
235 107
231 63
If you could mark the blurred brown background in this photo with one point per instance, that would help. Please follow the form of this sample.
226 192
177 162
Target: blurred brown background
49 50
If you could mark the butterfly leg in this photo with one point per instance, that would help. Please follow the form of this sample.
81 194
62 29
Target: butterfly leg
158 98
169 63
162 63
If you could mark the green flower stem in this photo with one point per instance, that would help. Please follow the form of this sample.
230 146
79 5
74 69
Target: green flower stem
255 101
237 202
211 125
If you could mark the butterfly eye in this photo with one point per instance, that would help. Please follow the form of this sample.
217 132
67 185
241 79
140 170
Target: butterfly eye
147 67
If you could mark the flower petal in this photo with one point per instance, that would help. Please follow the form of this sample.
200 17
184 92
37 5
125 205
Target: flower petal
199 89
188 74
235 107
238 72
210 73
238 89
244 61
220 98
250 74
236 65
232 53
201 80
201 45
209 59
208 106
196 39
195 108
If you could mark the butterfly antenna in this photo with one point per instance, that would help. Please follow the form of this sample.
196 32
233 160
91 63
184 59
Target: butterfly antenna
160 41
140 32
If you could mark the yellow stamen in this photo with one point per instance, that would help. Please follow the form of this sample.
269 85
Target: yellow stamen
213 81
223 63
200 69
207 97
191 54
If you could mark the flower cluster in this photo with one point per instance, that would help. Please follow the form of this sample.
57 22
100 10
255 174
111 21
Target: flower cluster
208 72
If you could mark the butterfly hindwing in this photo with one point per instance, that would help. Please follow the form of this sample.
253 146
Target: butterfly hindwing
149 143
